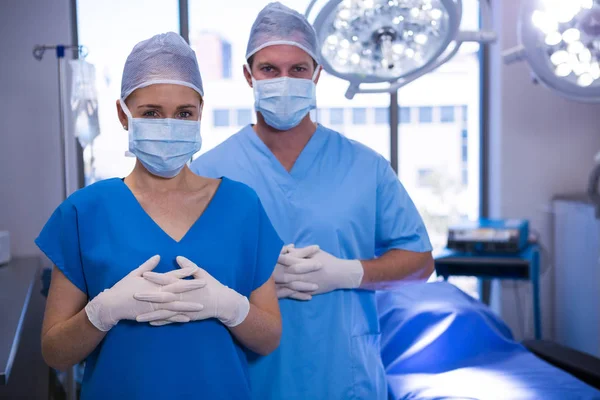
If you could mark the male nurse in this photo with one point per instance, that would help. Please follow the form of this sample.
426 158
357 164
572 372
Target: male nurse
349 224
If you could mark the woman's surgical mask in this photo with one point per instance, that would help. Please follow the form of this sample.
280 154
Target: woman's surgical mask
284 102
163 146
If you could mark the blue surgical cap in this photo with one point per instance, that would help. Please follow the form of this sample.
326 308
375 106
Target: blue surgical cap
278 24
164 58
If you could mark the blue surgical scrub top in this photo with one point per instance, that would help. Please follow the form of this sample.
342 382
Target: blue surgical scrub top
344 197
101 233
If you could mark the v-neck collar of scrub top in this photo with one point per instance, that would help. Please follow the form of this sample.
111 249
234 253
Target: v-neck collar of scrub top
152 222
288 180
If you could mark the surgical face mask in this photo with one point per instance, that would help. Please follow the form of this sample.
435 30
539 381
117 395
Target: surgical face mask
163 146
284 102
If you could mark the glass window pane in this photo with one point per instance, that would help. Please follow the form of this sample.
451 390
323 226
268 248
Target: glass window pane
382 115
425 115
447 114
405 115
317 115
336 116
464 146
220 118
425 177
108 49
244 116
359 116
451 150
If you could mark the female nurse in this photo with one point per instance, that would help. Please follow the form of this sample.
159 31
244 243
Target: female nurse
120 247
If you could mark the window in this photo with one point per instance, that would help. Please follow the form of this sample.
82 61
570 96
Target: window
465 156
425 115
316 115
405 115
220 118
336 116
244 116
359 116
226 65
447 114
382 115
425 177
465 146
220 41
109 49
454 159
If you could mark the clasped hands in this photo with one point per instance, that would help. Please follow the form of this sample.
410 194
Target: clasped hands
164 298
301 273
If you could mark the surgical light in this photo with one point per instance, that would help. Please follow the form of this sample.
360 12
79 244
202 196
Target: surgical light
370 42
560 39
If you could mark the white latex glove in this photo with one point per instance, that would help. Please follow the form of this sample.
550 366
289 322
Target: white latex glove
335 273
117 303
214 299
296 290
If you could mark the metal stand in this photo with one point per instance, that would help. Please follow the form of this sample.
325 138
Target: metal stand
38 54
485 266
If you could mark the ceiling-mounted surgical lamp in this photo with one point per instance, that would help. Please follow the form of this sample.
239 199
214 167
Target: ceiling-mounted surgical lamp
370 42
560 39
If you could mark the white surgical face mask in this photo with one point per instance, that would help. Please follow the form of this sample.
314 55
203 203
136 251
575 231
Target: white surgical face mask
163 146
284 102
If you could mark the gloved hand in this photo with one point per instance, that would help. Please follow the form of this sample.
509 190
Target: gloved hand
296 290
334 274
213 299
117 303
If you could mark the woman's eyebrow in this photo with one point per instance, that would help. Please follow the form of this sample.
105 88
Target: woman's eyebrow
150 106
186 106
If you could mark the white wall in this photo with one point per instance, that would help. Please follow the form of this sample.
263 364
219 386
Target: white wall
541 145
30 177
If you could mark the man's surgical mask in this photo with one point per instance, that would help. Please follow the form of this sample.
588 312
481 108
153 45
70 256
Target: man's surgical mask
163 146
284 102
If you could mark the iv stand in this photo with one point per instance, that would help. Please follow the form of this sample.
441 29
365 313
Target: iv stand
38 54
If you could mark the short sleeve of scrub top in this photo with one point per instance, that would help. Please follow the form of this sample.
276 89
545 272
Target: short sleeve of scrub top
265 257
101 233
59 240
398 222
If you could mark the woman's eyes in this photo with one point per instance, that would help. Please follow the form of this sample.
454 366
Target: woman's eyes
150 114
154 114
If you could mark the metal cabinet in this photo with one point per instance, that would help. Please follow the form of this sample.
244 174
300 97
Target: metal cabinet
577 273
